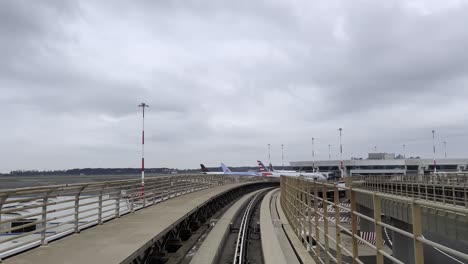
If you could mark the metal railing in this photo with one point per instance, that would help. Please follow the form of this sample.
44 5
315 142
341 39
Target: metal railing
451 188
308 205
37 215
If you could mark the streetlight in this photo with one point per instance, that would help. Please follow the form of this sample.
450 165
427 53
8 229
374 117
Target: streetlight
329 151
341 154
313 156
269 160
282 156
404 151
434 150
143 106
445 148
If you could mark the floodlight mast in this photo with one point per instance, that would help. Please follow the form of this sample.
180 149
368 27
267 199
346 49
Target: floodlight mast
282 156
341 154
143 106
445 149
313 156
269 157
434 150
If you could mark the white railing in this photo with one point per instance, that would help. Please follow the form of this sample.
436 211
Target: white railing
37 215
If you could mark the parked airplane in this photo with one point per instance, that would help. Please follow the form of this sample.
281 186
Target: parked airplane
309 175
227 171
272 169
206 171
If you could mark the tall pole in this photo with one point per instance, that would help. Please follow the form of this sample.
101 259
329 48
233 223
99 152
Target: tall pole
404 151
313 156
341 154
329 151
143 106
434 150
269 158
282 156
445 148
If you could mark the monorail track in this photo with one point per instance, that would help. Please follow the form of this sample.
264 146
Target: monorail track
243 244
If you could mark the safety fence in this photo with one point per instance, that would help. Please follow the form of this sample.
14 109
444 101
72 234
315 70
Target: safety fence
306 204
37 215
445 188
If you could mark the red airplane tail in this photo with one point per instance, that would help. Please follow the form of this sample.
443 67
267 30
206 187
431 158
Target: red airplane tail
203 168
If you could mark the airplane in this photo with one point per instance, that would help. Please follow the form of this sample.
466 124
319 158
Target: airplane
272 169
227 171
206 171
308 175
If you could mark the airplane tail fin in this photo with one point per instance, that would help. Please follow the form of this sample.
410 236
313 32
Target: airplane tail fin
203 168
261 166
263 170
226 170
271 167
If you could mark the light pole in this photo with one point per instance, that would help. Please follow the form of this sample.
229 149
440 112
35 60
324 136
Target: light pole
313 156
269 160
329 151
282 156
404 151
434 150
143 106
341 154
445 148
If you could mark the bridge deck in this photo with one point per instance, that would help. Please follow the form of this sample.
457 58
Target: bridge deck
114 241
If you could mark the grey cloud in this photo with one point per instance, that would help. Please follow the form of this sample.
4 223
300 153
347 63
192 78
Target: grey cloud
224 78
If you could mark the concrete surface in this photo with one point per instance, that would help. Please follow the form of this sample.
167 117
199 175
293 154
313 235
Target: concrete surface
210 249
114 241
272 250
299 248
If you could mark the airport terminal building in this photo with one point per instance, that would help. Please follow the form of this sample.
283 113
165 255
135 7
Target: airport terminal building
383 164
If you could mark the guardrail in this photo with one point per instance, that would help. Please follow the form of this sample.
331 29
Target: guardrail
307 207
37 215
449 188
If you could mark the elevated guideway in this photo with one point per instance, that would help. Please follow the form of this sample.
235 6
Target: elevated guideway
210 250
150 233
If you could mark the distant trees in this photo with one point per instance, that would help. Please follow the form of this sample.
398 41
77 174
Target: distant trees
117 171
91 171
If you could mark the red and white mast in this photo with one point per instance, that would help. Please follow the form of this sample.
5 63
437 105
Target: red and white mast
341 155
143 106
434 150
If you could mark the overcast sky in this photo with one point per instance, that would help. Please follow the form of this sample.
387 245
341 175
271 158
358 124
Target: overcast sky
225 78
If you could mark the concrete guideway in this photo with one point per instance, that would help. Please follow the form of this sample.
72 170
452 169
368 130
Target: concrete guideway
279 243
116 240
210 249
296 244
269 226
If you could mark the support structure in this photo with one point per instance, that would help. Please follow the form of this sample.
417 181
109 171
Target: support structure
434 150
341 154
143 106
282 156
313 156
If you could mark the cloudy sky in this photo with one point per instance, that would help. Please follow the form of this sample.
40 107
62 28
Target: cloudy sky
225 78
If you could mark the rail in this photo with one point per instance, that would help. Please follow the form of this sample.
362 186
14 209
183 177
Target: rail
35 216
301 200
445 188
242 238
